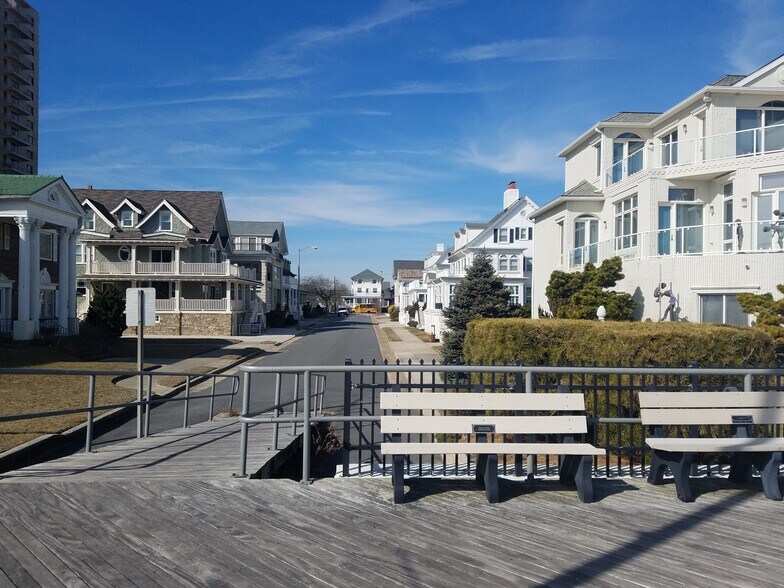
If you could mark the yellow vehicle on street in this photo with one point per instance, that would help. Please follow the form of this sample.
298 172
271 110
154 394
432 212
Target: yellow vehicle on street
360 308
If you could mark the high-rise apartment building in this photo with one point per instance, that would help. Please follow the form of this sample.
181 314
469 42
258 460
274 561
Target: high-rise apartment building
18 88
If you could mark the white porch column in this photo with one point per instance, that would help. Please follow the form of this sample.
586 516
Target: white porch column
228 296
177 260
177 294
133 259
35 273
64 279
23 295
72 238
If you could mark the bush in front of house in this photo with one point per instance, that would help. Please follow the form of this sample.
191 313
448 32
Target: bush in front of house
106 315
575 342
394 313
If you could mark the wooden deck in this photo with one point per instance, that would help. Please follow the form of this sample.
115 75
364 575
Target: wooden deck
166 511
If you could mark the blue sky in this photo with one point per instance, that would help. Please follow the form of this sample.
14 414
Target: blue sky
371 129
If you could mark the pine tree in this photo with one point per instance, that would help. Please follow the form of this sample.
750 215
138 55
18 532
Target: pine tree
769 312
107 311
481 294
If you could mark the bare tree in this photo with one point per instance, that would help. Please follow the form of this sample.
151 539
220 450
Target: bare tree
327 291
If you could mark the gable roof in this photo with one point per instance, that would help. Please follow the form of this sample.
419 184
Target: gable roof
273 229
366 275
175 209
200 208
728 80
632 117
18 185
132 205
583 190
406 264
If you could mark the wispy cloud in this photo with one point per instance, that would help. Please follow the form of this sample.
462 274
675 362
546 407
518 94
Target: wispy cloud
414 88
757 35
114 106
542 49
521 156
360 205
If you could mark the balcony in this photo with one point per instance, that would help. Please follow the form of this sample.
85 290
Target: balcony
20 58
19 106
18 153
199 305
18 73
680 156
19 90
23 29
18 121
715 239
183 269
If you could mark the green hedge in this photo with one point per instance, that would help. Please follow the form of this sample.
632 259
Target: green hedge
574 342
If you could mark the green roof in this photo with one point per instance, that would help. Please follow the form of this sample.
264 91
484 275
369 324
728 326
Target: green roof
21 185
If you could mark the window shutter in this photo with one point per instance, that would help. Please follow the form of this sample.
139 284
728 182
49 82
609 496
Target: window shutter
511 236
517 233
530 233
495 235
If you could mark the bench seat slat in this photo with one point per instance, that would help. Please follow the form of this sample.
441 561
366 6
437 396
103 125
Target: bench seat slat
753 399
503 424
480 401
490 448
709 416
716 445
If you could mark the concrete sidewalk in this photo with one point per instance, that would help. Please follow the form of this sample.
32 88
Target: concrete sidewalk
397 342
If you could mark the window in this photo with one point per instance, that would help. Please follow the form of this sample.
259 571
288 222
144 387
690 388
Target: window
503 235
727 217
770 200
514 264
81 287
47 304
528 264
561 242
626 223
161 255
503 263
48 245
722 308
684 215
528 294
124 253
80 253
670 149
760 130
89 221
251 243
165 219
514 297
6 235
586 239
126 218
627 156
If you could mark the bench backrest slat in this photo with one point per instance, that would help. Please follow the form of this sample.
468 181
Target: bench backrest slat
754 399
710 416
481 401
503 424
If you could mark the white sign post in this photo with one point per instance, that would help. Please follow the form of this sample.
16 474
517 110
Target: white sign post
140 311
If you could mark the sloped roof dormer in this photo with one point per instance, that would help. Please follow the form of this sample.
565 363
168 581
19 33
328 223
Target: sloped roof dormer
100 211
130 204
170 207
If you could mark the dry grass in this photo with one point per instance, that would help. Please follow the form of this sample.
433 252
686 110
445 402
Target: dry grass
426 337
22 394
390 334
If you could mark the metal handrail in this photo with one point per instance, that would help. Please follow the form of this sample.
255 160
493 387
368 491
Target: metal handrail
147 402
309 417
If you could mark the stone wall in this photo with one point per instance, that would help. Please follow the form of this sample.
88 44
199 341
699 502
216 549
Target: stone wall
202 323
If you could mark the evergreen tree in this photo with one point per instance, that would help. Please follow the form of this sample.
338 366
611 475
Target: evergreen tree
481 294
577 295
770 314
107 311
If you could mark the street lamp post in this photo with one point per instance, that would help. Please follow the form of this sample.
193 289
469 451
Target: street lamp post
299 263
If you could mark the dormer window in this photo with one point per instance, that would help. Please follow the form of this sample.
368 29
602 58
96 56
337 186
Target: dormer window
165 218
89 221
126 218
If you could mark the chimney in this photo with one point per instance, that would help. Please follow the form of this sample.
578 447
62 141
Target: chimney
89 186
511 195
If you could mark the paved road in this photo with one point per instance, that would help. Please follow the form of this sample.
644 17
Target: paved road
350 337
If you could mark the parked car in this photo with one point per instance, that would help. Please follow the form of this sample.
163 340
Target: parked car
342 311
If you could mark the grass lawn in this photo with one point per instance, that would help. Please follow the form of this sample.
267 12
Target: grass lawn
22 394
426 337
390 334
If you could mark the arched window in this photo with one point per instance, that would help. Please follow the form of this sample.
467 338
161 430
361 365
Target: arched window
586 239
760 130
503 263
627 156
514 264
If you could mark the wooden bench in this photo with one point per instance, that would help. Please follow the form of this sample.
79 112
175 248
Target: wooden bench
524 414
742 411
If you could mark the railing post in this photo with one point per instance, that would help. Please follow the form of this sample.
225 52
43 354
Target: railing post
278 411
147 409
306 429
346 426
244 425
531 461
295 402
748 383
187 402
212 399
88 444
519 388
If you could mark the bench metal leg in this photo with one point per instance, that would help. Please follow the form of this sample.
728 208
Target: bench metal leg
481 466
679 464
740 468
397 478
768 466
491 479
584 479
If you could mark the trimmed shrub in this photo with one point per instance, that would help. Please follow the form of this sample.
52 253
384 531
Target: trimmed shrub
394 313
106 315
574 342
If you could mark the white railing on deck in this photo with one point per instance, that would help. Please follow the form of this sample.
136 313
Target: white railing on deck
154 267
191 304
165 304
205 269
111 267
745 143
224 268
753 237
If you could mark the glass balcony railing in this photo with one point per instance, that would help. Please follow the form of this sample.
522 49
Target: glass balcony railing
746 237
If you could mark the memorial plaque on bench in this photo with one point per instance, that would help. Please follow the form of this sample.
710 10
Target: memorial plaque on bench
742 419
482 429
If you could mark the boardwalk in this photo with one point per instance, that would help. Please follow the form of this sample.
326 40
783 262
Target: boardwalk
166 511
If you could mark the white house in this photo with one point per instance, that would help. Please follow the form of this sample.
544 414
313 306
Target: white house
367 287
507 239
687 197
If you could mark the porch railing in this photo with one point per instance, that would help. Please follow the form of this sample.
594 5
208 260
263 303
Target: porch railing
184 268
